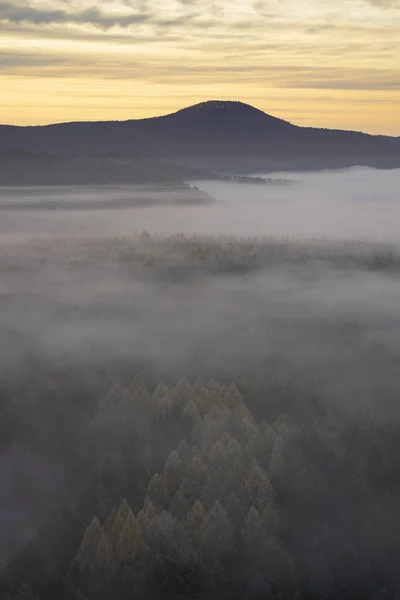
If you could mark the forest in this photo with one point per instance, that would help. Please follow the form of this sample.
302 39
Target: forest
230 430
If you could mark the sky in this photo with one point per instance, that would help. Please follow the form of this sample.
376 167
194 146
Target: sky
312 62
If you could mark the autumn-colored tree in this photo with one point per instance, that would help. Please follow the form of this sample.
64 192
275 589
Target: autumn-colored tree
259 488
147 513
95 552
124 509
130 543
115 522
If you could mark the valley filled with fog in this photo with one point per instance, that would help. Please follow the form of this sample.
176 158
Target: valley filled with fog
353 203
199 387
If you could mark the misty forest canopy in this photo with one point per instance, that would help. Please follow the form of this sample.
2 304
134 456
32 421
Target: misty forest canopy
216 136
199 417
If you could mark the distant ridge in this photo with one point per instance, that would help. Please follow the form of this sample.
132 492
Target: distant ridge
227 110
223 135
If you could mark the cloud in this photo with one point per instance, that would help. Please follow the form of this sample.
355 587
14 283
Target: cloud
17 60
25 13
386 4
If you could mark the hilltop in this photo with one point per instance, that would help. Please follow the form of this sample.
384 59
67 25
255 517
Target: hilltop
225 136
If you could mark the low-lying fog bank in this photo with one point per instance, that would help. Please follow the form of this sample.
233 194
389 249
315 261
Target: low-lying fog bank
355 203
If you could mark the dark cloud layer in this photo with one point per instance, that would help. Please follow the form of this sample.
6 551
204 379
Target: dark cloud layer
24 13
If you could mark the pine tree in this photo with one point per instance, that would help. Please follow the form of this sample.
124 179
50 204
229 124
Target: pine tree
116 521
95 551
259 488
173 472
191 411
181 393
109 523
157 491
147 513
184 452
235 509
195 518
164 407
130 543
124 509
253 536
160 392
233 398
138 387
160 533
217 534
212 489
112 399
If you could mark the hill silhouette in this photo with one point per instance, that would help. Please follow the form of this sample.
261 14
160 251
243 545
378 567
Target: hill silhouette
226 136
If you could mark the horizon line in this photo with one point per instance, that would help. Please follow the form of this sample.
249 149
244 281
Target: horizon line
203 102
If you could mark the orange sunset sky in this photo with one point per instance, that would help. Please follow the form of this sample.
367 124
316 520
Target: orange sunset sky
312 62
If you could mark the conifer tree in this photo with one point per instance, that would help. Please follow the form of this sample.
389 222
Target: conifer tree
130 543
233 398
116 521
217 534
235 509
181 393
173 472
191 411
253 536
195 518
157 490
147 513
259 488
95 551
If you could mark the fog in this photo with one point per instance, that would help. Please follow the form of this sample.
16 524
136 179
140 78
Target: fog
354 203
311 327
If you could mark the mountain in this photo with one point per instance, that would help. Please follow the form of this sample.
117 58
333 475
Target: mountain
393 140
225 136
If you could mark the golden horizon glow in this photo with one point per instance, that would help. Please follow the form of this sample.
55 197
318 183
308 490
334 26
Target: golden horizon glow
310 63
